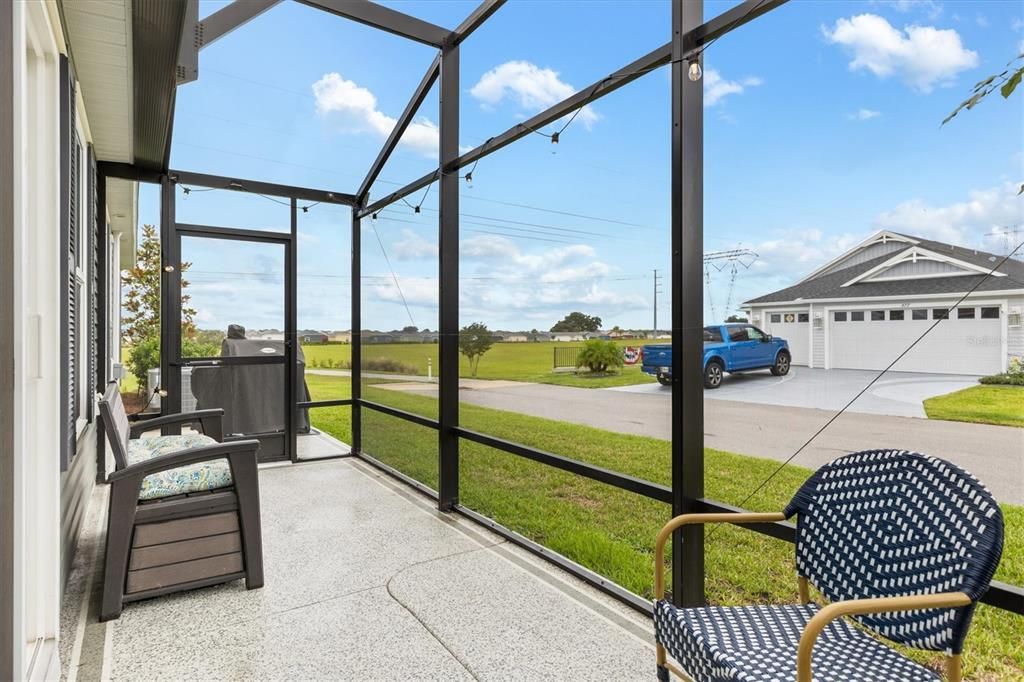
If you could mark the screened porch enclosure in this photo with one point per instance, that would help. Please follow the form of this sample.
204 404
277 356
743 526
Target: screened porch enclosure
274 378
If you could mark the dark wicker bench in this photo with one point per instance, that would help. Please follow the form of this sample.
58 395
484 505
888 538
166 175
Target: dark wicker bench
184 510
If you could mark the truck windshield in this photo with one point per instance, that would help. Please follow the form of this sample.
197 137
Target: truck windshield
712 334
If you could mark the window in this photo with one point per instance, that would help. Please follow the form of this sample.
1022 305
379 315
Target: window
790 317
839 317
990 313
895 315
803 317
738 334
919 314
776 318
712 334
755 334
877 315
940 313
857 316
965 313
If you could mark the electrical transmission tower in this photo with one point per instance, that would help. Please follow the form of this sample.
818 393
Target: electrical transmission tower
731 259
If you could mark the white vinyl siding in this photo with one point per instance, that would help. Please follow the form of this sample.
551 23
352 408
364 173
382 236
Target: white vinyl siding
924 267
867 253
818 325
1015 333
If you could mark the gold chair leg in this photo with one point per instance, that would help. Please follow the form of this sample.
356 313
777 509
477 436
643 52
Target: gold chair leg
805 592
954 668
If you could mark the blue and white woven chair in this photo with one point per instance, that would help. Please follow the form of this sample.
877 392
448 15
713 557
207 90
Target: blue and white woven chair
903 543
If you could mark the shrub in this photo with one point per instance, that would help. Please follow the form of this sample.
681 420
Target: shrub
388 365
145 355
1006 379
599 356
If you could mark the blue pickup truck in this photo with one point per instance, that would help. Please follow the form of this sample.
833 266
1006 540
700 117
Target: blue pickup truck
729 348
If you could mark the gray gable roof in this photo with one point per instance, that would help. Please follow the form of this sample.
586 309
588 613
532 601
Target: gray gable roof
830 284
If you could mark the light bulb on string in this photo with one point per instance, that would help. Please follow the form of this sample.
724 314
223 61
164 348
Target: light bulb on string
695 71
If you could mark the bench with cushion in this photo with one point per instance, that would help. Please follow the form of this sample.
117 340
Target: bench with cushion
901 543
184 509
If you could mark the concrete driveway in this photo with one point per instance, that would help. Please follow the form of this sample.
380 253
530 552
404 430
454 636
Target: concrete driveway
896 394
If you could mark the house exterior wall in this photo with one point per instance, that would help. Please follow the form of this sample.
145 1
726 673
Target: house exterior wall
47 505
866 254
923 267
818 325
35 184
1015 332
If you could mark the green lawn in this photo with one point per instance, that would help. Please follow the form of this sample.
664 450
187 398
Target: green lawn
986 404
612 531
509 361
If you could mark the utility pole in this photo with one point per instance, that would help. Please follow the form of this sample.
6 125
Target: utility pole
657 283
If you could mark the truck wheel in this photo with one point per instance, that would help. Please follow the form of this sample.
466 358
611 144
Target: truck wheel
664 381
781 366
713 373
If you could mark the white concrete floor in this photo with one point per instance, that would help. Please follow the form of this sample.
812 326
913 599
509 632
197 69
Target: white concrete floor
365 580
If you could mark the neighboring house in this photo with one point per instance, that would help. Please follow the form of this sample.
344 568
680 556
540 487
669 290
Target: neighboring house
266 335
864 308
340 337
570 336
310 336
514 337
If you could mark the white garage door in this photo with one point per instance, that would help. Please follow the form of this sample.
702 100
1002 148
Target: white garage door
794 327
968 342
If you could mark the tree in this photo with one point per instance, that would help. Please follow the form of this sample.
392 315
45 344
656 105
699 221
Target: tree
1006 81
475 340
598 355
411 330
534 334
141 286
578 322
736 318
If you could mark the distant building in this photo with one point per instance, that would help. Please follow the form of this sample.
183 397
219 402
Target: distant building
340 337
570 336
312 336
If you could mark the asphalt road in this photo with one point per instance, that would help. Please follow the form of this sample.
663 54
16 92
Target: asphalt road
995 454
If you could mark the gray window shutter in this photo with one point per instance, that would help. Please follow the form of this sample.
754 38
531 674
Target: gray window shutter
69 236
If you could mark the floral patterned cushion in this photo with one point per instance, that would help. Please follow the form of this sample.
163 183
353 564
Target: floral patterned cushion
187 479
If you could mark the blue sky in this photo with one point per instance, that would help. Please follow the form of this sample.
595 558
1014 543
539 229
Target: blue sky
822 126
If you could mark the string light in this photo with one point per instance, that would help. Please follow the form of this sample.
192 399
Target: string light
695 71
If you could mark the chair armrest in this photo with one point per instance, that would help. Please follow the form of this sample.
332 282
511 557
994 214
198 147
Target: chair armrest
210 420
239 449
691 519
854 607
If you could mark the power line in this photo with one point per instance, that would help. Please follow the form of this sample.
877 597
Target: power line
393 275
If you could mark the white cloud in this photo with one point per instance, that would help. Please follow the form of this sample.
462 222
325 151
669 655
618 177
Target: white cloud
539 286
414 247
864 115
922 56
964 223
354 109
717 88
531 87
415 291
